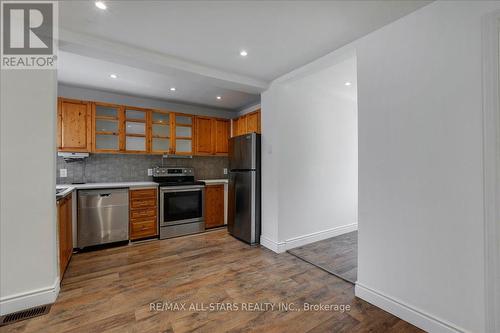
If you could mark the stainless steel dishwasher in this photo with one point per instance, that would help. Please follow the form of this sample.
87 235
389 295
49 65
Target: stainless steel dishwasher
102 216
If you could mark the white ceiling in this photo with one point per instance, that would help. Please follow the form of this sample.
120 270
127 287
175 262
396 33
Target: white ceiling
332 81
195 44
95 73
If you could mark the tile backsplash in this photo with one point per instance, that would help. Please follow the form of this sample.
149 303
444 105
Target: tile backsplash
120 167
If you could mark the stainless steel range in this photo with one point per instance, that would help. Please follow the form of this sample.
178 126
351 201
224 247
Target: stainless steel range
182 202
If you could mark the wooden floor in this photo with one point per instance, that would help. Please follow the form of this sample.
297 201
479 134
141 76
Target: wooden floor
111 291
337 255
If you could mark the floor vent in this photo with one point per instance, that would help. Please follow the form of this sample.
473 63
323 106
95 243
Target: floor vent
24 314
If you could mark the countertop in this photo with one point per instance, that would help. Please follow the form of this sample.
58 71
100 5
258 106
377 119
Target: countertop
215 181
63 194
88 186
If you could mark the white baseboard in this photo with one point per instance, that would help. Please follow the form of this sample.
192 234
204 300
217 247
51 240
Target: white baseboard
29 299
406 312
280 247
319 235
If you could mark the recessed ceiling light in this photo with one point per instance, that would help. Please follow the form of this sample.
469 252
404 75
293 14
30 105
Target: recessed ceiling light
172 89
347 83
113 76
100 5
219 97
243 53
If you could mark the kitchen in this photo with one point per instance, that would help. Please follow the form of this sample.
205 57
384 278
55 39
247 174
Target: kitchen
159 123
137 174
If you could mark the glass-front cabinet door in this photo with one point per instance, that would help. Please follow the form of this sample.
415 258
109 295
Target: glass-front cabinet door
183 134
106 128
160 132
136 130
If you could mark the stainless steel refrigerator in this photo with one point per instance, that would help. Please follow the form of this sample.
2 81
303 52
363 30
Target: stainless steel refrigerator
244 188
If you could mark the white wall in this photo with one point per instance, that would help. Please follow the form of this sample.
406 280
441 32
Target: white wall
28 254
421 238
421 233
310 173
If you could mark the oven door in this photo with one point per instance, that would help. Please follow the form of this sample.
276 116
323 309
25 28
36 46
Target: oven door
181 204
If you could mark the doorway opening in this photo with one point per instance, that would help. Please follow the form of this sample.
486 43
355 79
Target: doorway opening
332 98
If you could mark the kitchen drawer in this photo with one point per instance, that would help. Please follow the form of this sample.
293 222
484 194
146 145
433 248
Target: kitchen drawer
143 229
142 213
143 203
143 193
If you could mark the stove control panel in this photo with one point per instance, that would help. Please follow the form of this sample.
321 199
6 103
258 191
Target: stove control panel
172 172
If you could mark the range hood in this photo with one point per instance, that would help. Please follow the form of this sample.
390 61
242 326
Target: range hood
73 156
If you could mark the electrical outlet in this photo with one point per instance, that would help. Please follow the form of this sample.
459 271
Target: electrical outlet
225 171
150 172
63 173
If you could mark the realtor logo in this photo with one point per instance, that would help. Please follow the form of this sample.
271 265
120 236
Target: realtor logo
29 34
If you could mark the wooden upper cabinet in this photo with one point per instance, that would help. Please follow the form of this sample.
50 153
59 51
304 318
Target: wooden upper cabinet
108 128
204 143
237 126
246 124
241 125
137 130
182 127
74 123
160 132
211 136
253 122
121 129
99 127
221 140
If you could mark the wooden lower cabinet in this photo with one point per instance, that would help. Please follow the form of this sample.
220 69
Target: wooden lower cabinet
142 228
65 226
143 213
214 206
